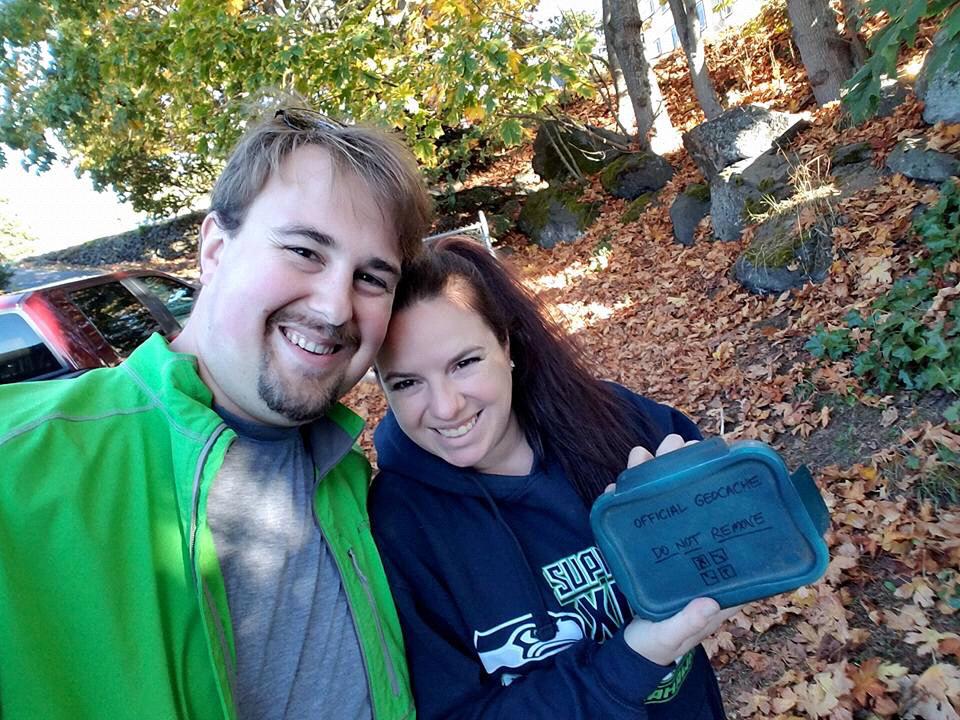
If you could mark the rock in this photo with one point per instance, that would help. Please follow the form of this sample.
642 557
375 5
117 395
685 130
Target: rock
893 92
461 208
914 159
737 134
555 215
636 208
850 154
779 258
744 188
852 178
892 95
690 207
480 197
636 174
939 87
590 150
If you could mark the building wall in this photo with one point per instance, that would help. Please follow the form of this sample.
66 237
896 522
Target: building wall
660 36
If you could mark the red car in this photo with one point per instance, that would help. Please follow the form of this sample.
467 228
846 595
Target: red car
69 326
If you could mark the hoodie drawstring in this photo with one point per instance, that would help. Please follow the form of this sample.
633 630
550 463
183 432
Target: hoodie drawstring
545 629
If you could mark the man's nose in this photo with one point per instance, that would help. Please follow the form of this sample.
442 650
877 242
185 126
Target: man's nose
331 297
446 401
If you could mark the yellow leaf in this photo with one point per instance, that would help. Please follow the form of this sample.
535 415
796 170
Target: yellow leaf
234 7
475 113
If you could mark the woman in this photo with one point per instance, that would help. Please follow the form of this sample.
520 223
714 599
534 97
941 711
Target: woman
497 443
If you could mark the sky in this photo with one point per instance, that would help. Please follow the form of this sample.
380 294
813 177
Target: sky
60 210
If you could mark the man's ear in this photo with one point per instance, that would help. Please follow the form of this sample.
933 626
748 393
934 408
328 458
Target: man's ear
213 239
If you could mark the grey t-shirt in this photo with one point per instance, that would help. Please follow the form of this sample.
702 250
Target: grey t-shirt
297 650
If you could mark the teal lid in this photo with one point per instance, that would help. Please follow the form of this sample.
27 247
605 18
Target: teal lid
711 520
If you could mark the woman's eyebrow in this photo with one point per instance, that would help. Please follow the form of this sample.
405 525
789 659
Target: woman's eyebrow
391 376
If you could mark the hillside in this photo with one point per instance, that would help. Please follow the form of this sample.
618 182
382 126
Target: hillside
879 636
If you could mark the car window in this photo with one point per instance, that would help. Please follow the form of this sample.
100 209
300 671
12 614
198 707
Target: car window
177 297
23 356
117 314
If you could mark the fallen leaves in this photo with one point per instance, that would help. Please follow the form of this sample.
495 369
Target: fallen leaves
875 638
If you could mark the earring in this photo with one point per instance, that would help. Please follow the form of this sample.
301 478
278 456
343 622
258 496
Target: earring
512 364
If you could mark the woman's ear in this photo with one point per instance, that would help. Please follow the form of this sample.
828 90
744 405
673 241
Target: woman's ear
213 238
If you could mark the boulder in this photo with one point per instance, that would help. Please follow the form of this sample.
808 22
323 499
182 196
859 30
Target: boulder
850 154
744 189
939 87
738 134
590 150
636 174
913 158
461 208
690 207
637 208
893 92
780 258
480 197
555 215
854 177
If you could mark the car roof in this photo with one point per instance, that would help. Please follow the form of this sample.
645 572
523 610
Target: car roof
18 297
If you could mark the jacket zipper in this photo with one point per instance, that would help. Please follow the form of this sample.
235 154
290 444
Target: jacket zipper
206 601
391 670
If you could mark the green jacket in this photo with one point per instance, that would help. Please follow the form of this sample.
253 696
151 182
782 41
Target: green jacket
112 603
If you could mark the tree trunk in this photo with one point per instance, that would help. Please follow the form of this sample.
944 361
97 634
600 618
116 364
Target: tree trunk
653 124
625 115
825 54
851 24
688 30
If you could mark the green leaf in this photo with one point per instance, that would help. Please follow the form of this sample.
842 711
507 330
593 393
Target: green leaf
511 132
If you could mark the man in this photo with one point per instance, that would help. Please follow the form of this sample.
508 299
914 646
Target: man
185 535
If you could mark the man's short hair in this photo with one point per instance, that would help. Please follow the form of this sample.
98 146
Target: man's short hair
381 162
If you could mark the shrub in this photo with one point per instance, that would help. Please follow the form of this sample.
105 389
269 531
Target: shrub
914 328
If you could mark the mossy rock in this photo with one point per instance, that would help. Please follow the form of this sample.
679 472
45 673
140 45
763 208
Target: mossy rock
777 250
698 191
556 215
590 150
755 206
631 176
850 154
767 185
499 225
637 208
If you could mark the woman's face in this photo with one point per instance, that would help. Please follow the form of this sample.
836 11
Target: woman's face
448 381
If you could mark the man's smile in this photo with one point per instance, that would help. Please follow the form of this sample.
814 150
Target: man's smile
316 348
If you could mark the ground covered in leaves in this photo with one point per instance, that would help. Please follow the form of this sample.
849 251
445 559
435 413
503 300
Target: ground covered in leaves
879 636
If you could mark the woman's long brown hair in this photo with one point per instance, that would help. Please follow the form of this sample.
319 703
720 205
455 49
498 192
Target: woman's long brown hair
564 410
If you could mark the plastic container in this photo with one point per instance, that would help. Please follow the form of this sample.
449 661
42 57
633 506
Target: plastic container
711 520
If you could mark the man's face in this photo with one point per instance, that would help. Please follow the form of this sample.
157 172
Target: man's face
296 304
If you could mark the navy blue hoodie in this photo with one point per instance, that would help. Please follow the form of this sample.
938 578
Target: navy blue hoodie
507 608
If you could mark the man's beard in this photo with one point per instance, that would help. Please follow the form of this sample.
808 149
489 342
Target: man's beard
311 400
308 397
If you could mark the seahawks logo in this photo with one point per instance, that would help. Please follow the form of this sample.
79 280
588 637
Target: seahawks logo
514 643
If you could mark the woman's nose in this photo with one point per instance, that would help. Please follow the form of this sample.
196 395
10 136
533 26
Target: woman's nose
446 401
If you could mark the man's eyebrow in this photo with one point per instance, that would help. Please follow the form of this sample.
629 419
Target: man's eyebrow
309 233
324 240
384 266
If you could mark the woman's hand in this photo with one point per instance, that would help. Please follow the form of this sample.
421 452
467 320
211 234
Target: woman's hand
665 641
